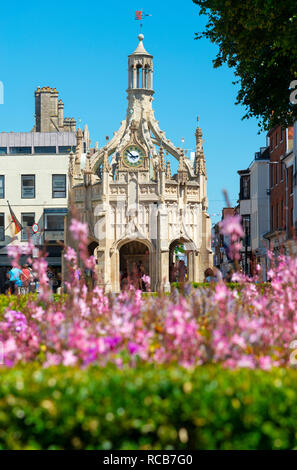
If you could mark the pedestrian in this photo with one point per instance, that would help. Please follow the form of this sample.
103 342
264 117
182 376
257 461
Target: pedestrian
25 278
142 277
217 274
209 275
229 275
15 283
181 271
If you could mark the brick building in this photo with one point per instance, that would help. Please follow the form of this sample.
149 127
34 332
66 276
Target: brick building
281 187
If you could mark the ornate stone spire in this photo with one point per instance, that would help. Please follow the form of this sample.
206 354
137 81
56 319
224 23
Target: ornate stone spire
182 173
168 170
162 160
78 152
87 136
71 168
198 135
106 166
88 170
200 168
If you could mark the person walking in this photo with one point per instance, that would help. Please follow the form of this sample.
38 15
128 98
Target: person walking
25 278
15 282
209 275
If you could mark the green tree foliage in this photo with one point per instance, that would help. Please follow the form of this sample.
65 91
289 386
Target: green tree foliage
258 39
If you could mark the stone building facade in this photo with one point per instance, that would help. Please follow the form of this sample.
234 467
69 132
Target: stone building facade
137 211
34 179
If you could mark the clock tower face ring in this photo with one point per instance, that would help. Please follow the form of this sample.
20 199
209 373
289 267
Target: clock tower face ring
133 156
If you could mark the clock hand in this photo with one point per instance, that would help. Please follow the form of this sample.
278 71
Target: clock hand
131 155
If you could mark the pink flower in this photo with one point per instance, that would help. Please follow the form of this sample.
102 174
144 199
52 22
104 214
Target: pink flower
246 361
133 348
69 359
70 255
79 230
221 292
231 225
265 362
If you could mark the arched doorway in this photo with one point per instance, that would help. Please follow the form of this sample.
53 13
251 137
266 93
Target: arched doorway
91 248
134 262
179 261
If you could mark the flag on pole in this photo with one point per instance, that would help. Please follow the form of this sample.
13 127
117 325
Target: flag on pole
17 225
139 15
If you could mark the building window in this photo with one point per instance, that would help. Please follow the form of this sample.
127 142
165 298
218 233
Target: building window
59 186
2 228
246 225
41 150
2 189
54 222
3 150
245 187
28 219
28 186
20 150
66 148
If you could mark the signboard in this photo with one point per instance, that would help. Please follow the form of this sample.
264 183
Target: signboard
54 235
35 227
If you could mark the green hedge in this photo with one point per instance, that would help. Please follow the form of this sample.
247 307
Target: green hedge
148 408
262 286
19 301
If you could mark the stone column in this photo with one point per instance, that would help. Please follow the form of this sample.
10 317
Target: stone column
164 270
115 271
134 77
143 77
163 253
149 78
101 266
193 267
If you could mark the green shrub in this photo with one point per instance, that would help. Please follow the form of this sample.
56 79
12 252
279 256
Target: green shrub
148 408
18 302
211 285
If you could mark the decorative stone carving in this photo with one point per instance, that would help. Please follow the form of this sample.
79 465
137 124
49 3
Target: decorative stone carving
144 202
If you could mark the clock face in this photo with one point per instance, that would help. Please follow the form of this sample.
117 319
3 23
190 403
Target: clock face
133 155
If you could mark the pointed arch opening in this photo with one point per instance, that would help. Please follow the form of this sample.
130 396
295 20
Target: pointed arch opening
179 251
134 264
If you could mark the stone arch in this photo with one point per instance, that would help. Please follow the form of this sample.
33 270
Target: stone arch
180 261
134 258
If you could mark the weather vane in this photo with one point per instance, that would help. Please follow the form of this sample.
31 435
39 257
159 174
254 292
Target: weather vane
139 15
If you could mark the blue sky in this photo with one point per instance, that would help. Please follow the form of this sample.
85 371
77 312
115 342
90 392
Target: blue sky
81 48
